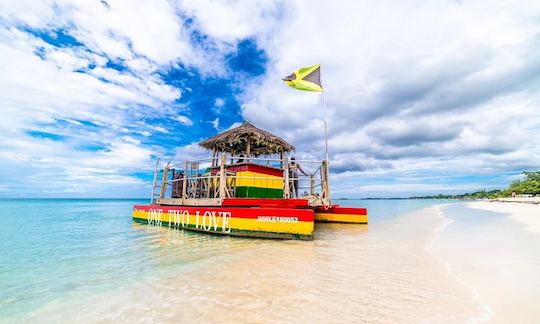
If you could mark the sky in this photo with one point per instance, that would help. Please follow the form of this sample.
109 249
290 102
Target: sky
422 97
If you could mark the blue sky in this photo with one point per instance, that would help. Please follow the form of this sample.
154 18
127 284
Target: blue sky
422 98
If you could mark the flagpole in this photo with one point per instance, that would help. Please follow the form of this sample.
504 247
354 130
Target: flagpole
325 128
326 151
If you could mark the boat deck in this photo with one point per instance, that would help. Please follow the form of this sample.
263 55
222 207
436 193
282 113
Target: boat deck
238 202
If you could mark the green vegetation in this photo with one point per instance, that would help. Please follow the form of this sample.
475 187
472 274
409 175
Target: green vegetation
482 194
530 184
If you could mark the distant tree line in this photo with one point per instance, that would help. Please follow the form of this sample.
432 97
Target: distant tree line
481 194
530 185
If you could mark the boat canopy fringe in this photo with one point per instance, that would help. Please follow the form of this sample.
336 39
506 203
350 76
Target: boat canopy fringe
248 140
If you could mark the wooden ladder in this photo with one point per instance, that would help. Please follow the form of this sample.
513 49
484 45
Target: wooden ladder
155 183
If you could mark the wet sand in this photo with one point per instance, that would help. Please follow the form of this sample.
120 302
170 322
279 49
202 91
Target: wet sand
384 273
494 248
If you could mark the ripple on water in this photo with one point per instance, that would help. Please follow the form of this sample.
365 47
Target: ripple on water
62 257
352 273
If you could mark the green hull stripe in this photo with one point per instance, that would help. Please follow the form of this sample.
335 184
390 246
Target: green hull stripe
255 192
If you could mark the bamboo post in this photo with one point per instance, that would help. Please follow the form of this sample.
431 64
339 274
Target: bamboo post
164 181
196 180
214 157
323 188
286 188
327 182
154 182
312 184
324 179
281 158
208 183
222 179
184 184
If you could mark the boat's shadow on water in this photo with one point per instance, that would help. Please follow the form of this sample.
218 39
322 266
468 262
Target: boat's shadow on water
170 235
184 245
323 230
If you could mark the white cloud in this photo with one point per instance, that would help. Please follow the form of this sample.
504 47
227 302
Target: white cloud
183 120
160 129
443 87
231 20
412 88
215 124
190 152
219 102
234 125
44 84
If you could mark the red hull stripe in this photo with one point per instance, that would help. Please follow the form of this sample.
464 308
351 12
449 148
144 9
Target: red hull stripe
304 215
277 203
342 210
253 168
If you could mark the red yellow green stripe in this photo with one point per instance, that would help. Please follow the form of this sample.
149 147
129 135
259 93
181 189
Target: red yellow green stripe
262 222
340 214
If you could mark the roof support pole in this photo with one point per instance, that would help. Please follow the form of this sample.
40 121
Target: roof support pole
324 181
327 182
164 181
286 187
222 179
214 163
184 184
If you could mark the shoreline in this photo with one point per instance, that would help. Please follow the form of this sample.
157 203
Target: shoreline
488 312
524 213
493 250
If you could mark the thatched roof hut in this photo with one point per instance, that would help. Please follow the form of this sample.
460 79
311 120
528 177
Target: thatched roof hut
248 140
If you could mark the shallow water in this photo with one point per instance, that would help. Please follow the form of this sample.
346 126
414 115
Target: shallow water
85 260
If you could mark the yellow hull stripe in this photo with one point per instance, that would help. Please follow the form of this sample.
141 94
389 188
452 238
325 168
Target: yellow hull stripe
234 223
254 179
341 218
260 180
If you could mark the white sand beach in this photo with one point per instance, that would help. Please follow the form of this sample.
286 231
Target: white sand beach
523 212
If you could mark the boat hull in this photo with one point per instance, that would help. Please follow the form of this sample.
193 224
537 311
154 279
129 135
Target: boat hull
338 214
285 223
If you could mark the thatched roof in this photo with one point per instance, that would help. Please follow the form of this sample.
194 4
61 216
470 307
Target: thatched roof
235 140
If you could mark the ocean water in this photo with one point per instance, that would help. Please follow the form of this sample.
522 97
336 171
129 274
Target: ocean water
86 261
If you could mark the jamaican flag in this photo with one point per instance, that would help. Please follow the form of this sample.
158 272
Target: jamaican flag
307 79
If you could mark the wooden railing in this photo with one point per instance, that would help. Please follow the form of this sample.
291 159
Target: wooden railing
222 184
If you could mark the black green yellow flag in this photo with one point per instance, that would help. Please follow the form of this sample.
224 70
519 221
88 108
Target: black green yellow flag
307 79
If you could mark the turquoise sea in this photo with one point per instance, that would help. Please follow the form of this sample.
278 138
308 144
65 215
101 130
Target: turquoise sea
86 261
54 250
